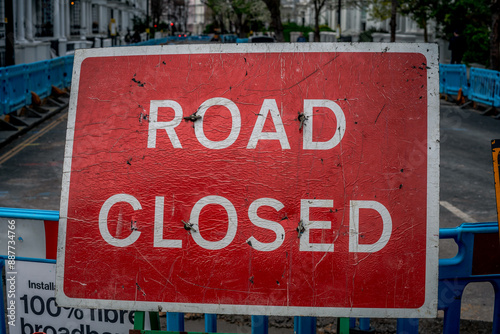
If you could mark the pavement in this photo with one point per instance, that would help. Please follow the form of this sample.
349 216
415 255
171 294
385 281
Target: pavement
32 180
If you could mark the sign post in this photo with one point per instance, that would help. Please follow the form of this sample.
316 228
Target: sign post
284 179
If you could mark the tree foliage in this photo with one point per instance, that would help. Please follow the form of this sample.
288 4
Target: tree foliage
420 11
472 19
318 6
240 16
274 9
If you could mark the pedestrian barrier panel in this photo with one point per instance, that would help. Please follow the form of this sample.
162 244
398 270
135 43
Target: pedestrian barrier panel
496 95
452 78
15 86
2 92
229 38
482 86
56 74
68 69
477 260
38 78
204 38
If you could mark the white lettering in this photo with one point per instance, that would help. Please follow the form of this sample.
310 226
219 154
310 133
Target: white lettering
232 223
278 230
305 244
103 220
354 245
158 230
154 125
308 143
235 125
269 105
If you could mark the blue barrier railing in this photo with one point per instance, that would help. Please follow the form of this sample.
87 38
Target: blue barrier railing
452 78
18 81
39 78
15 86
454 275
482 85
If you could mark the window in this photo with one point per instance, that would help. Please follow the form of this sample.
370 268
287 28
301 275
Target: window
74 13
44 26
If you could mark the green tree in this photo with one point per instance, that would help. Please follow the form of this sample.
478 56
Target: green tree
242 14
421 11
220 10
471 18
246 13
318 6
384 10
495 36
276 24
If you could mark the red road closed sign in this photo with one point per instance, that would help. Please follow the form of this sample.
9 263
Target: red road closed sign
286 179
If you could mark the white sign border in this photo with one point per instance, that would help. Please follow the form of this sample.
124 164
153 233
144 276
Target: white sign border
429 307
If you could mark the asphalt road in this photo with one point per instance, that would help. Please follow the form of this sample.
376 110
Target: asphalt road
31 170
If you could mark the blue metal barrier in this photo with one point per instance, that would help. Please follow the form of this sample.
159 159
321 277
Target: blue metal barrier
452 77
68 69
38 78
457 272
15 86
56 72
2 92
483 84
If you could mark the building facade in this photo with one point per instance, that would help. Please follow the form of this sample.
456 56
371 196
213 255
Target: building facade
48 28
354 19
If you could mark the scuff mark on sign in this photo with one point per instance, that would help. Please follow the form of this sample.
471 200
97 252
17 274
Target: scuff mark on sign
140 84
376 119
301 228
139 289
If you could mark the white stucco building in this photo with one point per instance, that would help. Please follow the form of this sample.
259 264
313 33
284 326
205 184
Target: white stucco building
196 17
354 19
48 28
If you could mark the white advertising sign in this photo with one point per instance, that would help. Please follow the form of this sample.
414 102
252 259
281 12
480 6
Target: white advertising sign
31 306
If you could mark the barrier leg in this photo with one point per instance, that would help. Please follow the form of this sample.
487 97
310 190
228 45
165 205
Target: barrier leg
407 326
139 320
496 310
364 324
154 320
175 322
304 325
452 317
342 325
352 323
260 324
210 323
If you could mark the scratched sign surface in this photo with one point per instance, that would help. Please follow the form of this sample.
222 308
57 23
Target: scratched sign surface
258 179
